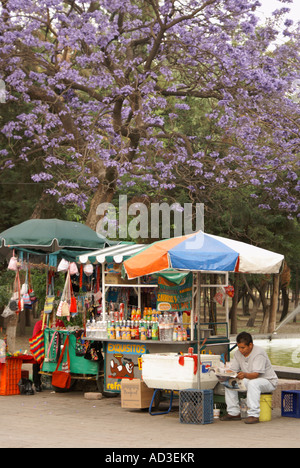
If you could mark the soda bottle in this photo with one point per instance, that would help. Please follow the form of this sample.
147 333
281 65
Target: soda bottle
155 331
128 334
108 329
132 330
121 311
149 331
143 332
118 331
123 330
137 330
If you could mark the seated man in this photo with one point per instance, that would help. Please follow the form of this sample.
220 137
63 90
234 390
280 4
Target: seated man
254 367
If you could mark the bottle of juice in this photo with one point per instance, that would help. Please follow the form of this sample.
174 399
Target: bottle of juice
128 334
155 331
149 331
137 330
133 314
132 330
108 329
138 314
143 332
112 332
123 330
118 331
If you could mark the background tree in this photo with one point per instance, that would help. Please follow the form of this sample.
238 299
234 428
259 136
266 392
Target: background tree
106 83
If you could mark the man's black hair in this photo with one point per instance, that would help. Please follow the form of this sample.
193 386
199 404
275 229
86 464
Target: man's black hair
245 338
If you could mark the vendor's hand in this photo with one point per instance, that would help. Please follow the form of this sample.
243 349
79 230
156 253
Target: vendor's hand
241 375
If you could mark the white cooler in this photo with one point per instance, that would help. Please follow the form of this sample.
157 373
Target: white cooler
165 371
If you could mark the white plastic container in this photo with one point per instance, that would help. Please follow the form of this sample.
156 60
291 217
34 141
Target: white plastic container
170 371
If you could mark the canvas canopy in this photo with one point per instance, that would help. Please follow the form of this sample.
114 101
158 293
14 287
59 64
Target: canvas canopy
203 252
52 235
116 253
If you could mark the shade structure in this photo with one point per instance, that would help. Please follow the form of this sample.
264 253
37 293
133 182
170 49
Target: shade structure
202 252
116 253
52 235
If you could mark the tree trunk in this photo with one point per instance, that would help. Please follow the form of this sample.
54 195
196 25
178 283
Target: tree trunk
11 332
256 302
285 298
266 309
233 310
274 303
103 194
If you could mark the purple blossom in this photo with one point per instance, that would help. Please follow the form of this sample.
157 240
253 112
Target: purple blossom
101 96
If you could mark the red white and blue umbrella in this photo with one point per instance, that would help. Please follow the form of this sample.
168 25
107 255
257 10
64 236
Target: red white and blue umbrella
203 252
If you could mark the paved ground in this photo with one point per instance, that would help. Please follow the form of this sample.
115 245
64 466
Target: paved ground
55 420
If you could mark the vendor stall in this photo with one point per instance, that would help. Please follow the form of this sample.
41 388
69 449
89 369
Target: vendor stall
201 252
153 314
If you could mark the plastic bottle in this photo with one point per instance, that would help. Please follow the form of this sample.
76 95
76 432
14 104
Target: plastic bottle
123 330
112 334
162 328
128 334
121 311
137 330
88 329
96 330
132 330
108 329
143 331
93 327
155 331
149 331
118 331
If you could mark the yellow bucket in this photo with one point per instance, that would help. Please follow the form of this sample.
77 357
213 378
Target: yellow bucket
265 407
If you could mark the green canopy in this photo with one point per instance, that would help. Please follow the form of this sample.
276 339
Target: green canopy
51 235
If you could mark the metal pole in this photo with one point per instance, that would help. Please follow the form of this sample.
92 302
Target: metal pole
103 292
198 308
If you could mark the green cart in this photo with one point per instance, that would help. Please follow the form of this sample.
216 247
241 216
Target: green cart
80 368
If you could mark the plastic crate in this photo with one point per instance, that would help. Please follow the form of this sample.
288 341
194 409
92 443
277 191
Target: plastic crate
290 403
10 375
196 406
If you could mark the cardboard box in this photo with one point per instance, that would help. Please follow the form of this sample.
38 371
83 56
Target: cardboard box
135 394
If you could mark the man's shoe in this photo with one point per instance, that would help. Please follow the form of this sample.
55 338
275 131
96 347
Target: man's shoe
229 417
251 420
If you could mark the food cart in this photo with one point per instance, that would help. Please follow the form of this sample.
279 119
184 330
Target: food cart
123 344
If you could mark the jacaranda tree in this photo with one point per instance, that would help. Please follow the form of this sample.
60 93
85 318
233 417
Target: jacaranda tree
106 87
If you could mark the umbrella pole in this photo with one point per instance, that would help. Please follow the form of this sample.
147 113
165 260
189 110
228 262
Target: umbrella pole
198 308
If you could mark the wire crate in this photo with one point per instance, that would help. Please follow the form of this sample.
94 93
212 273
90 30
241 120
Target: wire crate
10 374
196 406
290 403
